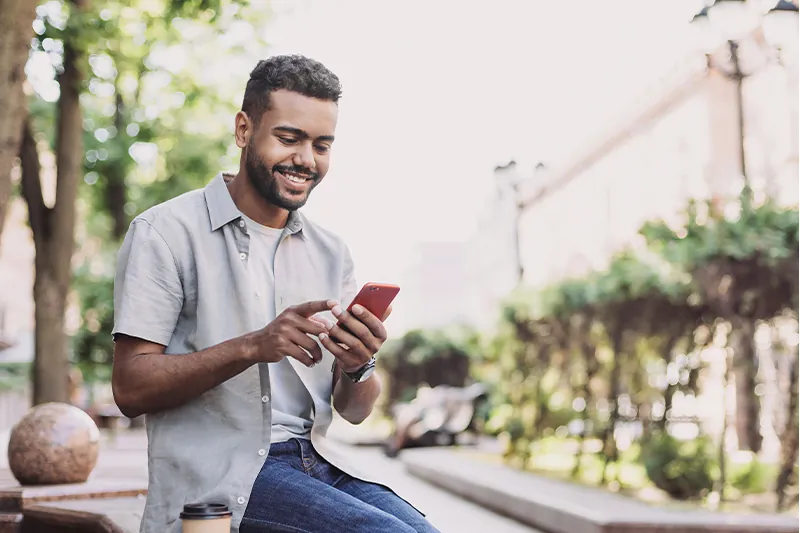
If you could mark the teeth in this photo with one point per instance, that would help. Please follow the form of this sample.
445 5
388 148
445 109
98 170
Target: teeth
295 179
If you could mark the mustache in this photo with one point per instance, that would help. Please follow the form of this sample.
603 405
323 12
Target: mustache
294 169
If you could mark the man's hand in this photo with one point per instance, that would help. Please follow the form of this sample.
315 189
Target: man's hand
358 336
288 335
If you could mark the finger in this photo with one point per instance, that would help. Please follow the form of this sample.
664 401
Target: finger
351 323
371 321
310 345
347 340
295 352
346 359
311 308
386 314
312 326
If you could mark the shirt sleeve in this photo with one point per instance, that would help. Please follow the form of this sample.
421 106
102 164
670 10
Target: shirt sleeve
148 293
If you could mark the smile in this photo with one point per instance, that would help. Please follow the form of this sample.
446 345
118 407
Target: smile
296 179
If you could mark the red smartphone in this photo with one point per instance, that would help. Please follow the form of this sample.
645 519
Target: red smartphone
375 297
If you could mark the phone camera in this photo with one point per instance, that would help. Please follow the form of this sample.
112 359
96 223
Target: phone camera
373 289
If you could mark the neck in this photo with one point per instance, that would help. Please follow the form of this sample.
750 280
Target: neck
253 205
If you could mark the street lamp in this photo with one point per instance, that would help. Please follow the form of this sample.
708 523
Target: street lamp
508 177
735 21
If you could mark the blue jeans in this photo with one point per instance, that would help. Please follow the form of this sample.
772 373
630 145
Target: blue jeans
297 491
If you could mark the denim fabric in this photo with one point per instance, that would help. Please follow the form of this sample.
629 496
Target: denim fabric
298 491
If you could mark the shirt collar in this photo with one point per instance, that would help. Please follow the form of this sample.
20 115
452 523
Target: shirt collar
222 210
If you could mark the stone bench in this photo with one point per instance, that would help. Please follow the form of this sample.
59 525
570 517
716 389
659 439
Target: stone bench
101 506
113 515
562 507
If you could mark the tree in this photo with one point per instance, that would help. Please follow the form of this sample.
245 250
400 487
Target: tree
54 227
16 31
184 144
85 36
745 268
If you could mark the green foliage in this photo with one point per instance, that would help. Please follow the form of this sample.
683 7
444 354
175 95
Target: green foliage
767 232
14 376
743 265
682 469
624 339
92 345
440 357
753 476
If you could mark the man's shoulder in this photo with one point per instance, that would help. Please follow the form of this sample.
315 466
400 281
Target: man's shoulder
186 212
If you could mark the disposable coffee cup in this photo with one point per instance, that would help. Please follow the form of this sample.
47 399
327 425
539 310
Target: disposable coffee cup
206 518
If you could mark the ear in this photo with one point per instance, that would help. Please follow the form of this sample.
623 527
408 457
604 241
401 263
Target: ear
243 129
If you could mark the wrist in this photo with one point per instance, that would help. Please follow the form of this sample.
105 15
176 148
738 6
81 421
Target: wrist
361 373
249 349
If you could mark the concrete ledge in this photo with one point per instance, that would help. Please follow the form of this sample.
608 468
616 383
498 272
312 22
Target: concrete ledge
114 515
561 507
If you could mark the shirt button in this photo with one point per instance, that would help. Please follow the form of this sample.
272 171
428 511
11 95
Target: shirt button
241 223
264 399
240 500
242 256
262 452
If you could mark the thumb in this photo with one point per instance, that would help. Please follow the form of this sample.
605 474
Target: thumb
311 308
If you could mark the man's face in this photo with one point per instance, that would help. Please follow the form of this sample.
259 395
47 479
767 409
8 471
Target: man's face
289 152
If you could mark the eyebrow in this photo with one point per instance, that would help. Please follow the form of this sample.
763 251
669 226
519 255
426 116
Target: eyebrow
300 133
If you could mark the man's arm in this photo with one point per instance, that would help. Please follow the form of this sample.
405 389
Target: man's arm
146 380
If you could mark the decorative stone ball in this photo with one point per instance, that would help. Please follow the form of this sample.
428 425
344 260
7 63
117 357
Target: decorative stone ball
53 444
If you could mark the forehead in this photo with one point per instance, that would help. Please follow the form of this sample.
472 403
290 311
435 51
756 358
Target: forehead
312 115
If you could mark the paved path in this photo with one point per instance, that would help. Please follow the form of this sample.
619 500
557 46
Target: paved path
449 513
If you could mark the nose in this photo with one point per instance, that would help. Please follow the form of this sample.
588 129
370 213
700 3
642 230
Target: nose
304 157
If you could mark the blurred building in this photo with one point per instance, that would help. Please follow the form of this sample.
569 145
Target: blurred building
680 141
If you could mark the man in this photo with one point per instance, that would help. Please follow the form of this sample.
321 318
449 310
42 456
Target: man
231 334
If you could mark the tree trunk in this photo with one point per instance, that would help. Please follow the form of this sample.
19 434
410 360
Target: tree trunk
54 234
609 441
669 394
116 193
748 408
16 31
789 439
722 458
589 352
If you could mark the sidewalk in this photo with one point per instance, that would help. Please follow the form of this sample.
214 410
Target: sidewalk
562 507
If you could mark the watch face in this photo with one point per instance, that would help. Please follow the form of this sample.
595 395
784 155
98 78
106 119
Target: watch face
367 373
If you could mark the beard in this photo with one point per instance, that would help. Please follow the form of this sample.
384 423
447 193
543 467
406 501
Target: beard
267 186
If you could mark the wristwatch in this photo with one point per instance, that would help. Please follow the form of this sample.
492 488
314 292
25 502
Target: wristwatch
361 375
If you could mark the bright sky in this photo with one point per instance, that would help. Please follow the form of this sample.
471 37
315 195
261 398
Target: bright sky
435 94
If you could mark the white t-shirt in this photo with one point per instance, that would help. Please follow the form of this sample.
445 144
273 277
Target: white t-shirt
291 403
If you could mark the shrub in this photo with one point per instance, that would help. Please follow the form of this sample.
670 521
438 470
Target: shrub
682 469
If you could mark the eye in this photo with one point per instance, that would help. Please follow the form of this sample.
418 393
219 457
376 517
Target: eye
288 140
321 148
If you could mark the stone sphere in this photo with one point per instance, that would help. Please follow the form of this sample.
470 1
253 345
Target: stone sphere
53 444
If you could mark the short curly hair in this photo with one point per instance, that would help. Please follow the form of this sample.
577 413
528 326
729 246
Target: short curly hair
291 72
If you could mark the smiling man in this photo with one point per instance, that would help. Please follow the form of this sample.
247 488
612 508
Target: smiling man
231 337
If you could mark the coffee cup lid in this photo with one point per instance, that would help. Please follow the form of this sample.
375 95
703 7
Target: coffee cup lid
199 511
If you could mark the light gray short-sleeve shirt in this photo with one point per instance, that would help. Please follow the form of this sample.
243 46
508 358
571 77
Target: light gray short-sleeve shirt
182 281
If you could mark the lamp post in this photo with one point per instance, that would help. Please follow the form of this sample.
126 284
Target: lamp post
735 22
508 176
